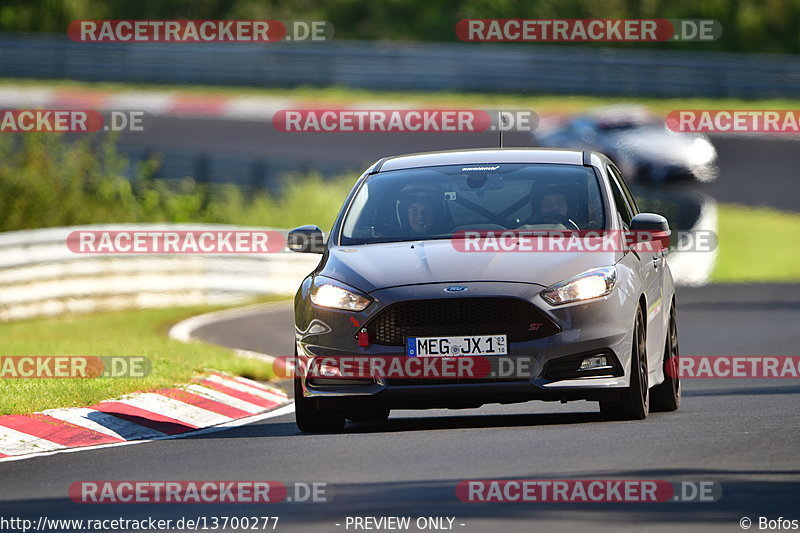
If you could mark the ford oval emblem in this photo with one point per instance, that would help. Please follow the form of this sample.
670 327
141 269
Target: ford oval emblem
455 288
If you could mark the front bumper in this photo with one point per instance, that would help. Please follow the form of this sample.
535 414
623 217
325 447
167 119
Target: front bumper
601 326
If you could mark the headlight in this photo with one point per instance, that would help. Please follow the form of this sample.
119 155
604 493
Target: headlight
585 286
335 296
701 152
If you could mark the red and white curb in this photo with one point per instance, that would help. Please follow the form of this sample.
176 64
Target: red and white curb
169 103
212 400
197 105
151 102
219 106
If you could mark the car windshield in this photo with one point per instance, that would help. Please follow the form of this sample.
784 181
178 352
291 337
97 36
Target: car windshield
627 123
437 202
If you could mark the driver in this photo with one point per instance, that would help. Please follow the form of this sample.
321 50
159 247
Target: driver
421 211
554 203
421 215
551 205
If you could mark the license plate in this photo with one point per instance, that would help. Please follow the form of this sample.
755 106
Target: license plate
456 346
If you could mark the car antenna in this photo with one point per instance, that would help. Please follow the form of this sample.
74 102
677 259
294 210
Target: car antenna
501 122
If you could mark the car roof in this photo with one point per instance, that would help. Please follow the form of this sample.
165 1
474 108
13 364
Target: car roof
479 157
620 114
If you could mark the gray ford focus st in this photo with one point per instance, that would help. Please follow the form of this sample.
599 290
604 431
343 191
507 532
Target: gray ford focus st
460 278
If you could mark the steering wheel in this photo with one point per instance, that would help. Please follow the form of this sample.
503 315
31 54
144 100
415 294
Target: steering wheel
554 218
381 229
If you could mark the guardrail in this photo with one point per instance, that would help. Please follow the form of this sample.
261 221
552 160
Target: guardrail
515 67
40 276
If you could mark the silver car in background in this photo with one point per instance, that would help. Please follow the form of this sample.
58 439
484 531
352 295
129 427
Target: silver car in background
638 142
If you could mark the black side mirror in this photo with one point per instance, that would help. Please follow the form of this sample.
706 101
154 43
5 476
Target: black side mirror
647 227
306 239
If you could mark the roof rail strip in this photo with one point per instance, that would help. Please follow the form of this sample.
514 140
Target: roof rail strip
378 165
587 158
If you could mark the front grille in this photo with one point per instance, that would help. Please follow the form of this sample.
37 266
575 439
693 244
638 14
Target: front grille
518 319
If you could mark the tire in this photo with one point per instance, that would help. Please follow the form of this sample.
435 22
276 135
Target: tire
635 399
311 416
667 395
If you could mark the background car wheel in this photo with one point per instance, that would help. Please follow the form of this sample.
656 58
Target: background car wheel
667 395
311 417
634 403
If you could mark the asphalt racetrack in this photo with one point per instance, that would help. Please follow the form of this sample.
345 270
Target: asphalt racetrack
753 170
742 434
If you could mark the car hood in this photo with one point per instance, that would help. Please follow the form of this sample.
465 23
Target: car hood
378 266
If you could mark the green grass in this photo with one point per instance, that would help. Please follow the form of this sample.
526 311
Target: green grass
305 200
46 181
757 245
123 333
344 96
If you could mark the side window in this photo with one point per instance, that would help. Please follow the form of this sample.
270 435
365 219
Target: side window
626 191
623 208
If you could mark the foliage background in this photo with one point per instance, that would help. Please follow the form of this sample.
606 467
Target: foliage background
748 25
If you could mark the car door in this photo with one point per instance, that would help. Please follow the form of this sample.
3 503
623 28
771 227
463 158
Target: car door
650 266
